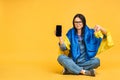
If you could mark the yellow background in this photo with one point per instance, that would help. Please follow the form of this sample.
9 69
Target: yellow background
28 46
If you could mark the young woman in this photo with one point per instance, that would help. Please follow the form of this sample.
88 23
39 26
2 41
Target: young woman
83 46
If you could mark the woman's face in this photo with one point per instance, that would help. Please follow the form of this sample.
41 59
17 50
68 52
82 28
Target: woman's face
78 23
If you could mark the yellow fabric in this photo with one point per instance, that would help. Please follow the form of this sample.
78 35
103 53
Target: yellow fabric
67 43
105 44
99 34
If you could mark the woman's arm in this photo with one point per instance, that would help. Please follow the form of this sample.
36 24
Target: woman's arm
60 40
61 44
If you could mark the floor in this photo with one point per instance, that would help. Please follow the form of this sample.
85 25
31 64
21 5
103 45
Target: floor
20 66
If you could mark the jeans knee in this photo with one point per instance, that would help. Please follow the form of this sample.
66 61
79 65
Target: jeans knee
97 62
61 58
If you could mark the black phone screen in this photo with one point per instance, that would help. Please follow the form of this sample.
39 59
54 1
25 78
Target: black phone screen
58 30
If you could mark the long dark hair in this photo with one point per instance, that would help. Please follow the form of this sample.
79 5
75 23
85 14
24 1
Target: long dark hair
82 17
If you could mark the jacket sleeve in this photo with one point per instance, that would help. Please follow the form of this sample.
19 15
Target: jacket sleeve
67 45
63 47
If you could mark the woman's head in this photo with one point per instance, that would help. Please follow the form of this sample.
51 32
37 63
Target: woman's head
79 22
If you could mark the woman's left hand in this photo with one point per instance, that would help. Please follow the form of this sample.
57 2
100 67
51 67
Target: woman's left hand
100 28
97 28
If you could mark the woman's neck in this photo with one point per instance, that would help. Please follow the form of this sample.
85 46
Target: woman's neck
79 32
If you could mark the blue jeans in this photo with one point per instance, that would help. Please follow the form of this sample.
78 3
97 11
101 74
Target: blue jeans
75 68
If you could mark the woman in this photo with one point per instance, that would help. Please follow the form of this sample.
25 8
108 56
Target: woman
83 46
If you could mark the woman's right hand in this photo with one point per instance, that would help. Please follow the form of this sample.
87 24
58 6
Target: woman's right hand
60 38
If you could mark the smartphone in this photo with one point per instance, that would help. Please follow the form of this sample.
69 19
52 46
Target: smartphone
58 30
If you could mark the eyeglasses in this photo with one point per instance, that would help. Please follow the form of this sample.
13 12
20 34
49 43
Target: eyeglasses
78 22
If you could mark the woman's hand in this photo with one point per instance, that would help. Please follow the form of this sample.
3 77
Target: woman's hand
60 38
97 28
100 28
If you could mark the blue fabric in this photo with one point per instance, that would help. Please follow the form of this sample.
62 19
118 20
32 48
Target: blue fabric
82 57
91 43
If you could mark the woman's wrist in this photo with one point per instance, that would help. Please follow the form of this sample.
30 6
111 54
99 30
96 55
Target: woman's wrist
103 31
61 40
